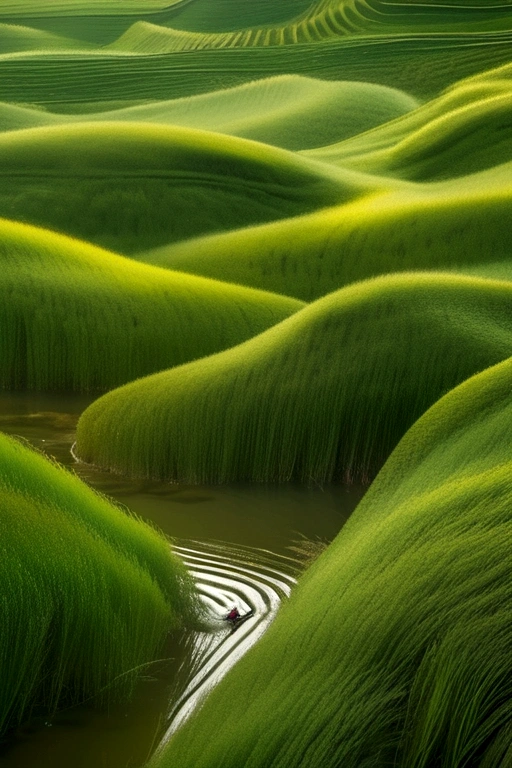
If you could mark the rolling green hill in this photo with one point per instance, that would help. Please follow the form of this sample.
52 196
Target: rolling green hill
463 130
396 647
88 593
18 38
443 225
324 395
77 318
288 111
132 186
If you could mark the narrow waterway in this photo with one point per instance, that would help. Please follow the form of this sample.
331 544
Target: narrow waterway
245 544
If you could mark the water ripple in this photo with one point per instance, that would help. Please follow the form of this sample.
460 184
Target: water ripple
227 575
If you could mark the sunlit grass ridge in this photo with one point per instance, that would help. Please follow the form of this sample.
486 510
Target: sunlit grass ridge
76 317
88 593
396 647
324 395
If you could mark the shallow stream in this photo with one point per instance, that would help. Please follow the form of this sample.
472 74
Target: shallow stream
240 541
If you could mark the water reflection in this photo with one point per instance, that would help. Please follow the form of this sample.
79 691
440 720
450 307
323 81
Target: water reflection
254 569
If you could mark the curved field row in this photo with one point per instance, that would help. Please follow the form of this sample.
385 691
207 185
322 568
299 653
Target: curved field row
324 20
288 111
421 65
132 186
75 317
444 225
88 593
395 649
324 395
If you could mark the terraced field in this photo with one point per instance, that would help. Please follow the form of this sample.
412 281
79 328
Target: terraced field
275 239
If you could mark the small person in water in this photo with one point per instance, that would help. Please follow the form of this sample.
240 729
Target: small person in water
234 614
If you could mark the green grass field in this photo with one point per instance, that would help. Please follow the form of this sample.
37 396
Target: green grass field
88 593
322 396
396 647
288 111
130 186
76 317
179 177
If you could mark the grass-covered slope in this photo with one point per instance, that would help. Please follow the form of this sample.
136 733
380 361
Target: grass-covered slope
324 395
14 38
443 225
88 593
131 186
76 317
288 111
324 20
396 648
465 129
420 65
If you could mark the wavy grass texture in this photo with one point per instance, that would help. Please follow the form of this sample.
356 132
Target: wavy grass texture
395 650
18 38
76 317
464 130
324 20
287 111
324 395
446 225
130 186
88 593
420 65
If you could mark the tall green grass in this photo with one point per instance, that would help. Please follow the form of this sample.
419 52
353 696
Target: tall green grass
76 317
445 225
325 395
396 648
132 186
88 592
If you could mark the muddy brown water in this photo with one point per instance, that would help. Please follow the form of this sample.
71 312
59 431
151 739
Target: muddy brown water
239 541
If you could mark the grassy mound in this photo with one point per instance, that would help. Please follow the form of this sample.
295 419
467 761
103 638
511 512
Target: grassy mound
131 186
455 108
88 593
325 394
288 111
414 226
464 130
76 317
396 647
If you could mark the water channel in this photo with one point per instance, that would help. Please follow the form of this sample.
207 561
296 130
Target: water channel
244 545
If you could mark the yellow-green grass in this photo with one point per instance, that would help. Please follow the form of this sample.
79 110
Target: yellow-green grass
288 111
421 65
323 20
465 130
20 38
97 21
396 647
131 186
226 15
414 226
466 106
76 317
324 395
88 592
